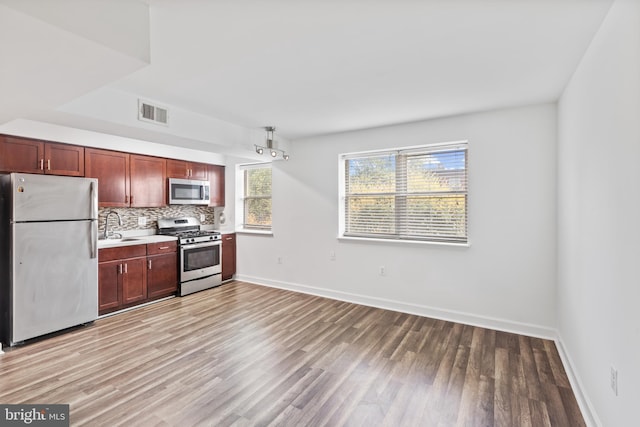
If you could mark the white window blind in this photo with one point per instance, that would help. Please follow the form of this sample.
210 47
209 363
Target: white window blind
256 196
413 194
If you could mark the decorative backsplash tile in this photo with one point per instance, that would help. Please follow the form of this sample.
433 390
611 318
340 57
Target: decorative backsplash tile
130 216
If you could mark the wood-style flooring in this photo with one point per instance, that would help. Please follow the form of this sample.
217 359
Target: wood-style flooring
247 355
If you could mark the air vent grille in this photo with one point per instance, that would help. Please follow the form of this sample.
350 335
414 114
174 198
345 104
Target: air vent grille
148 112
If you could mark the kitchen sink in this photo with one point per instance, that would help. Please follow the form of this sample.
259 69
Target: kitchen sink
123 239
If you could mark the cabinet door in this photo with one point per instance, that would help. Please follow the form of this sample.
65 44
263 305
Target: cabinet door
198 171
216 179
112 170
21 155
108 286
63 159
162 275
228 256
148 181
134 280
177 169
186 170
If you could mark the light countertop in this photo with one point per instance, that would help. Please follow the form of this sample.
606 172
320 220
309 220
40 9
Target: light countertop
134 240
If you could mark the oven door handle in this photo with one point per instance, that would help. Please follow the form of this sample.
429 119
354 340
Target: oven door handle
201 245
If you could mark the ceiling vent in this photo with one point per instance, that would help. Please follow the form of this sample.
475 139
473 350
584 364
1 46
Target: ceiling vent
148 112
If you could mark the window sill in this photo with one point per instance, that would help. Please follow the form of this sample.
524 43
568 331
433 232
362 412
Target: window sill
402 241
257 232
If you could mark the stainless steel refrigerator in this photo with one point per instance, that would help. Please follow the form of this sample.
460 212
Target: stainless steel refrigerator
48 254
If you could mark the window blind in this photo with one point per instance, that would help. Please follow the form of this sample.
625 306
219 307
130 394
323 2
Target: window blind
414 194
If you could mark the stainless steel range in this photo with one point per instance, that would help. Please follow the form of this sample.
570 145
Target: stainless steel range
200 253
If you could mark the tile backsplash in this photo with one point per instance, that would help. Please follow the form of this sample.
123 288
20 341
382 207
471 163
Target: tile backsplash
130 216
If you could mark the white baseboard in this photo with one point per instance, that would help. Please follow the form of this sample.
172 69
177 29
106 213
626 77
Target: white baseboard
586 407
410 308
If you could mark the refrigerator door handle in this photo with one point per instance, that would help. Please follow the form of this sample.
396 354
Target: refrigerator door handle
94 200
94 239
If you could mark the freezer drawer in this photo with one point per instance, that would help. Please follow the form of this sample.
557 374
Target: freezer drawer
55 277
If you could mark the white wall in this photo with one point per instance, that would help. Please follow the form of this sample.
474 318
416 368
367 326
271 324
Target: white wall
599 203
505 279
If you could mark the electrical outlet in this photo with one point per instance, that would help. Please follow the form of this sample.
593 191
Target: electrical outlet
332 255
202 217
383 271
613 379
279 260
142 221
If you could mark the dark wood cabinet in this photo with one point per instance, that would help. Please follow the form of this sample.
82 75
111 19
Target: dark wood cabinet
124 179
216 180
111 168
131 275
63 159
127 180
228 256
121 277
27 155
162 269
148 176
20 154
108 286
187 170
134 280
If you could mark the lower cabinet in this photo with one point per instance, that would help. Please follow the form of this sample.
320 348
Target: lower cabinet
130 275
162 270
228 256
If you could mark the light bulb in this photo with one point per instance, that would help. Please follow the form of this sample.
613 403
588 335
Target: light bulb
273 153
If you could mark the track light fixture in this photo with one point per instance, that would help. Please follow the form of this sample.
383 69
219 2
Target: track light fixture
274 152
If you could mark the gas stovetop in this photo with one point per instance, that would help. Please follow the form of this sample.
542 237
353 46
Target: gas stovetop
187 230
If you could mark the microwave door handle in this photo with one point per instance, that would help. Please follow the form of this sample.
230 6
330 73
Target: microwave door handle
202 192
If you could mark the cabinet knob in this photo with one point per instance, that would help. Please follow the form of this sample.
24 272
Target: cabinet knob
149 264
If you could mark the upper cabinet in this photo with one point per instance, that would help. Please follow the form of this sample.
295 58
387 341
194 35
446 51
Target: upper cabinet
111 168
33 156
124 179
216 180
186 170
63 159
127 180
148 181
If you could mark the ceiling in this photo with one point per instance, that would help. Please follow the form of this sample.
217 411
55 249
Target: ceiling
308 67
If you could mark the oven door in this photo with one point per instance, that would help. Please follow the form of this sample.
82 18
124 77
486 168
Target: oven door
200 260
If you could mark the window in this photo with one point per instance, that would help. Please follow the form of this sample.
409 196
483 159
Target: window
255 195
418 193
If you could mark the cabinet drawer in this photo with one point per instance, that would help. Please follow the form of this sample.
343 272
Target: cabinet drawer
121 252
162 247
229 237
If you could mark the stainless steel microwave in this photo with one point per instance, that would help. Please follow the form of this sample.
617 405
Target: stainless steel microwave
189 192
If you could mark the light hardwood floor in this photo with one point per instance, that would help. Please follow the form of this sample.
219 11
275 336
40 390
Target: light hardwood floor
247 355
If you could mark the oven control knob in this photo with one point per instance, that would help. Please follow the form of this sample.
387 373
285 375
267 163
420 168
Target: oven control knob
210 237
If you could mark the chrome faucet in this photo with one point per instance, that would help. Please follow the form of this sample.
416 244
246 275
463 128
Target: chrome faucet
107 233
